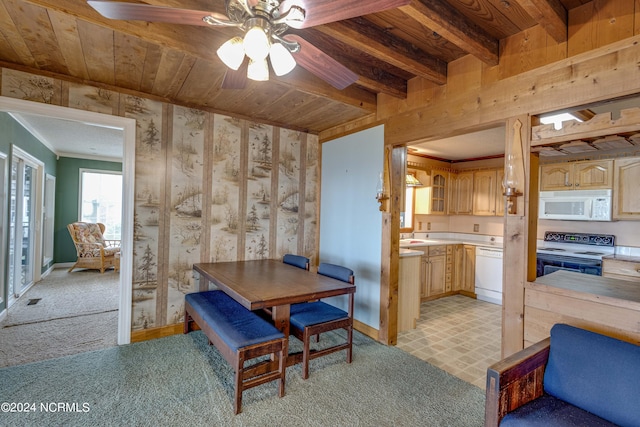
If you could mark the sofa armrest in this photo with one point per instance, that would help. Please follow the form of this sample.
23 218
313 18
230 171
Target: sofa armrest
514 381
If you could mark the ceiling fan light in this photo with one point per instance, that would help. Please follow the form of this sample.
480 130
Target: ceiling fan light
232 53
256 44
258 70
281 59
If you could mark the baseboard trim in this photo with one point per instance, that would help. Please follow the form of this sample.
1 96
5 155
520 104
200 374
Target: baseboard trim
153 333
165 331
367 330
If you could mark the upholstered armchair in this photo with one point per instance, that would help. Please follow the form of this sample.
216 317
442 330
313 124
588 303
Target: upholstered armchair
93 250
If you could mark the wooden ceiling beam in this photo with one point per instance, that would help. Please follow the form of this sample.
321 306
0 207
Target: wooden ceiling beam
364 36
374 74
550 14
444 19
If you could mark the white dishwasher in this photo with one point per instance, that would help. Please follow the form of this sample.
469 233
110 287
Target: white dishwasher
489 274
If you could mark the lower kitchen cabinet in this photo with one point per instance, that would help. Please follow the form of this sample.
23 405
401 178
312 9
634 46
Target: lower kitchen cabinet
408 290
434 268
468 279
438 271
447 270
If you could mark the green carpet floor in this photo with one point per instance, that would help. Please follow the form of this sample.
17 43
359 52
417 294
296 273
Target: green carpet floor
181 381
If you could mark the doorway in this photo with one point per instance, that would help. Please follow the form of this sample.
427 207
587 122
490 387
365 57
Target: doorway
128 127
24 210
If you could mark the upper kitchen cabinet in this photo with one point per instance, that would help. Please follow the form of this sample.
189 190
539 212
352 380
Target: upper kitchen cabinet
461 193
488 198
431 198
626 203
584 175
500 197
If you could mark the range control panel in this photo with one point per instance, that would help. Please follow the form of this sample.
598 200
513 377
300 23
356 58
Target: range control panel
581 238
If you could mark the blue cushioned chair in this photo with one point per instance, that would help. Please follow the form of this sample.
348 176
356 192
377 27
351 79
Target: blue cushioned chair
297 261
314 318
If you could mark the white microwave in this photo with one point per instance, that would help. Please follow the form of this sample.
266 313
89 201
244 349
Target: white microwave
575 205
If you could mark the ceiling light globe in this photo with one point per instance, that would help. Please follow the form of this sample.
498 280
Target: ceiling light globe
256 44
258 70
232 53
281 59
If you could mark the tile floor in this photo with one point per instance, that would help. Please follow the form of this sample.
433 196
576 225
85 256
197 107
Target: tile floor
458 334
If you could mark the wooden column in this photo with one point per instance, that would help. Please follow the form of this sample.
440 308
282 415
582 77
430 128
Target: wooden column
519 239
395 158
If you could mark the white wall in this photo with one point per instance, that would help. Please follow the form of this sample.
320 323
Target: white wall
350 221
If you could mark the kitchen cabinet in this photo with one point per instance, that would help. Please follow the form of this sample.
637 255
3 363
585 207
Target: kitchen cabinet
439 192
485 192
500 197
621 267
468 279
461 193
626 203
408 292
583 175
488 197
434 267
458 266
431 198
446 270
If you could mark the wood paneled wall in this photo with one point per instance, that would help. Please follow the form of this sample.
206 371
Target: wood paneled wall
208 188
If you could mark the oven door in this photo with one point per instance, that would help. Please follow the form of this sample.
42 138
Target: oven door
546 264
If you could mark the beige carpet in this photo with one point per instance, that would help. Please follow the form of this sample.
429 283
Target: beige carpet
74 313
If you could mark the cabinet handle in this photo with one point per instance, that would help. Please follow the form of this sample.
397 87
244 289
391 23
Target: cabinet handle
577 184
638 270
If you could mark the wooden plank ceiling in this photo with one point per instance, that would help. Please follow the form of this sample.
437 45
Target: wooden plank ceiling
177 63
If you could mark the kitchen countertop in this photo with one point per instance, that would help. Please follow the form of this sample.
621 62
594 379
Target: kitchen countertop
404 252
411 243
619 257
596 288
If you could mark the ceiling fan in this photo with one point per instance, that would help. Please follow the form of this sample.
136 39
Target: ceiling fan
264 24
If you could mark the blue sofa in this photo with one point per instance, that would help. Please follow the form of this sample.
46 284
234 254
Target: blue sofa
573 378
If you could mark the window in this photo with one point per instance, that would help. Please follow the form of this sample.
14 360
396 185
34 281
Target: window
101 200
48 218
406 217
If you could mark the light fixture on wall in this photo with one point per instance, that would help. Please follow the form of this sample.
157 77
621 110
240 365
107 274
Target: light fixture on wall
412 181
381 194
514 170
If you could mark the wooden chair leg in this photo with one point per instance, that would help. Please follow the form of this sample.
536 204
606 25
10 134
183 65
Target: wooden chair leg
350 341
305 353
237 403
283 369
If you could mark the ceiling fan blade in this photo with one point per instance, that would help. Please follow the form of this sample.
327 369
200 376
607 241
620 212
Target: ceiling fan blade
235 79
318 12
150 13
322 65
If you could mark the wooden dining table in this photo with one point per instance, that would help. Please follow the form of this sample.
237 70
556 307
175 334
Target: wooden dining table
272 285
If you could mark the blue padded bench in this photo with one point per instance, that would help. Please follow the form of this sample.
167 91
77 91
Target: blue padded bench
573 378
240 335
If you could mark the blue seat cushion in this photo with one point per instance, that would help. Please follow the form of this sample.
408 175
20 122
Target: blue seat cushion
296 260
335 271
313 313
551 411
236 326
594 372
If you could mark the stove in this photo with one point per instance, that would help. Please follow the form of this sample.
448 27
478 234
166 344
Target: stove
577 252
